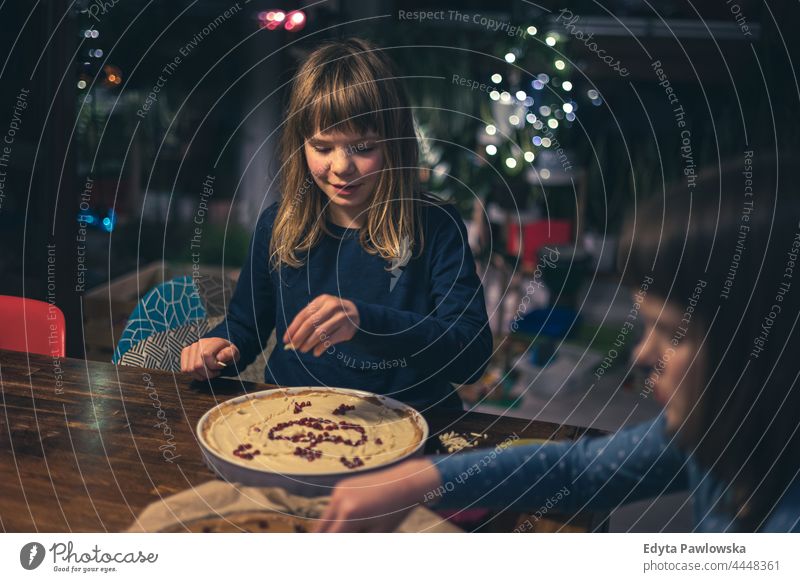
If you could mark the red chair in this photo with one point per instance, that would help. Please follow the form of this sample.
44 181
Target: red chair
535 235
28 325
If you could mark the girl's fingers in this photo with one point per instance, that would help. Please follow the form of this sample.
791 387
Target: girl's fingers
321 338
327 518
309 329
227 354
341 334
197 363
318 305
209 356
298 329
300 319
336 526
202 370
320 333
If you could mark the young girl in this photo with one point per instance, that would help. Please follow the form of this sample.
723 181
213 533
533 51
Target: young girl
721 343
368 283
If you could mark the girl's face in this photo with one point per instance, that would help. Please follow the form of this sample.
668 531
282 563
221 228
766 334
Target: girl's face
668 356
346 167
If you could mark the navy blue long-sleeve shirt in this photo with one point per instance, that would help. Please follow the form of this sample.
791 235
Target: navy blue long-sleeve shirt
422 326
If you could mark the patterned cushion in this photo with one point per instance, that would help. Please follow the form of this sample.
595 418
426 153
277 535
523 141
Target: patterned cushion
167 306
162 350
215 292
174 315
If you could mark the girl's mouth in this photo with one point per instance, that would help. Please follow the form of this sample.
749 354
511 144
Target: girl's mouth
345 188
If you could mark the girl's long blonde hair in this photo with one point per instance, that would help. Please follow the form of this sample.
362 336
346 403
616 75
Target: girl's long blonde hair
351 87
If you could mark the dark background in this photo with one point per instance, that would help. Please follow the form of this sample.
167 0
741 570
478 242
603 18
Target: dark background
218 111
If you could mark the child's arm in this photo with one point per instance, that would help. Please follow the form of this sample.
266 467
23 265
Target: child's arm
589 474
250 317
455 340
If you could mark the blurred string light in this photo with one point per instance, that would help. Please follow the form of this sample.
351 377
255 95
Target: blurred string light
92 218
110 221
293 21
519 109
595 97
112 76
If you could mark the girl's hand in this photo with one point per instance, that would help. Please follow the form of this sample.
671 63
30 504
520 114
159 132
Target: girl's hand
206 357
326 321
379 502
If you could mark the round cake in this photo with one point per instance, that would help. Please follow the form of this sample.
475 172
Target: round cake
312 431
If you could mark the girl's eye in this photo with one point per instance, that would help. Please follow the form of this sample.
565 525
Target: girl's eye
321 150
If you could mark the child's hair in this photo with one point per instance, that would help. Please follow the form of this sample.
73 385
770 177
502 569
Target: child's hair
348 86
743 397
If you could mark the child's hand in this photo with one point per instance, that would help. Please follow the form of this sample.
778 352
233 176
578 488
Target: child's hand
206 357
326 321
378 502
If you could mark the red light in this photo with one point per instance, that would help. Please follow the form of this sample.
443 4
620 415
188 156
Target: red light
295 21
271 19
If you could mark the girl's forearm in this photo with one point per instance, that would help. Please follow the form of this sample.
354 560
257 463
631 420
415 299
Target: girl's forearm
589 474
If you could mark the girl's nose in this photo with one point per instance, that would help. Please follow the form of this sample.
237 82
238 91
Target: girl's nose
645 353
342 164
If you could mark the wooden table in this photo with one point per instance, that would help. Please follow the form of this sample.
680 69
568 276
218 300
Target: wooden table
85 446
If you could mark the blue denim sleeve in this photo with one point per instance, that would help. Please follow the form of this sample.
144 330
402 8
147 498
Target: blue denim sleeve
250 317
592 473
